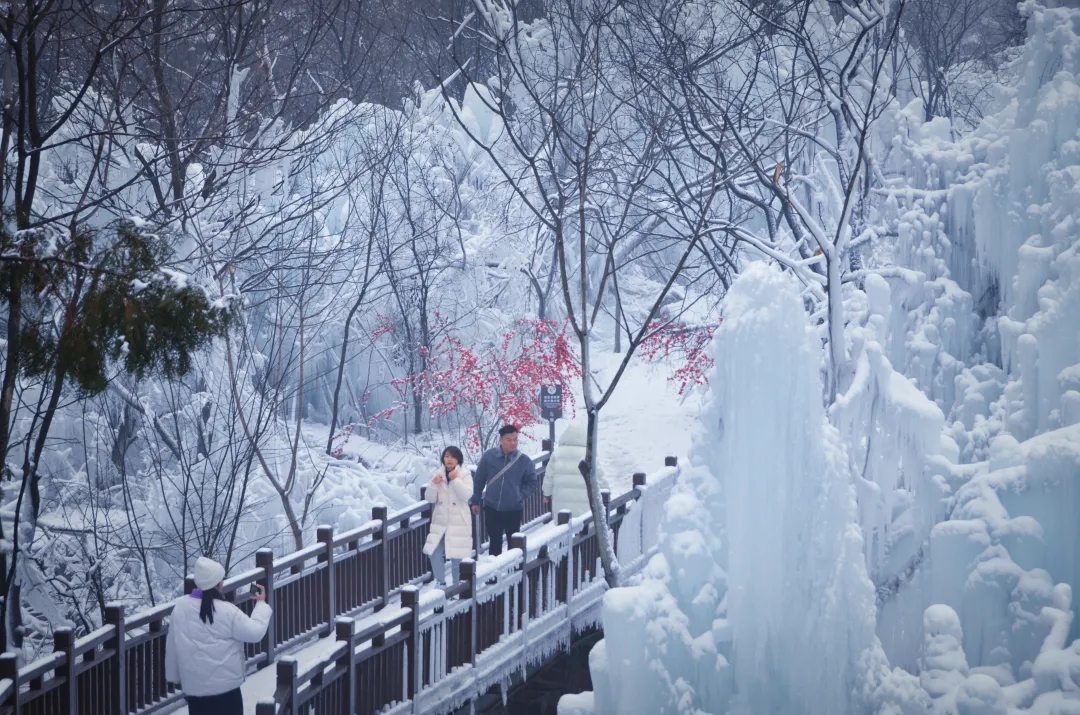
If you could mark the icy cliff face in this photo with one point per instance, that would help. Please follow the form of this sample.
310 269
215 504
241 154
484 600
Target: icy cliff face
989 237
987 231
1025 213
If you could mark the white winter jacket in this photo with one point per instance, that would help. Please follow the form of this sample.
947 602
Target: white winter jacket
562 479
450 518
208 659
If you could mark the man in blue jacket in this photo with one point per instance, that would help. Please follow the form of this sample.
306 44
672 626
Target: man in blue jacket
503 479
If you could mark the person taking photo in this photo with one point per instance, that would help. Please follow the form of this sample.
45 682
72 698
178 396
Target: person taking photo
204 649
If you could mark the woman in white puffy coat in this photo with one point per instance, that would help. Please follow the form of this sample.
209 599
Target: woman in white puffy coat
204 649
563 483
451 533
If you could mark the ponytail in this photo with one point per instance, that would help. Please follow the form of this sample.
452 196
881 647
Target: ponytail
206 609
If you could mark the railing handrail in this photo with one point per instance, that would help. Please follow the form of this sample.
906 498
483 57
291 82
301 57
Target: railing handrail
288 698
310 570
233 587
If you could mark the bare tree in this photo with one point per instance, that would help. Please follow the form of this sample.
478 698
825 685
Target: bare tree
810 75
594 170
949 45
371 260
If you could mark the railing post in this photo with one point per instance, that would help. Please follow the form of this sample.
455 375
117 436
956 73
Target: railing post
671 461
563 590
345 630
468 575
383 552
64 641
639 482
10 612
264 559
410 598
478 531
114 616
325 536
189 584
287 670
9 670
517 541
266 706
605 498
546 445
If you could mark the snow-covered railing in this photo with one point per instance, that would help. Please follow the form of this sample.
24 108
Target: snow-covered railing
443 648
553 571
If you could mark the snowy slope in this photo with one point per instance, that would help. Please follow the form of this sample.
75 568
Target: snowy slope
645 420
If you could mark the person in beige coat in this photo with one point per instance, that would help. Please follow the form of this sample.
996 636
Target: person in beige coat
564 485
450 535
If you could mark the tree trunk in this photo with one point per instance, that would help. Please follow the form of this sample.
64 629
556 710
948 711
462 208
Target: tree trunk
837 348
11 366
341 372
10 603
618 312
608 559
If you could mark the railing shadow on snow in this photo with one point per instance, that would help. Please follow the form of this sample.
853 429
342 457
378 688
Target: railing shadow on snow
440 648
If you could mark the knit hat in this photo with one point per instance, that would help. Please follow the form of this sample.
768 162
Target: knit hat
208 573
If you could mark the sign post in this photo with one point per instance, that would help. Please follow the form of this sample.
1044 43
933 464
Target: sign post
551 407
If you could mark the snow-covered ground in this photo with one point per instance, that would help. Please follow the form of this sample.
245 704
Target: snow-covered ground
645 420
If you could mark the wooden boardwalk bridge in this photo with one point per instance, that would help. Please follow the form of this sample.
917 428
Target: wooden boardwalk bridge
392 645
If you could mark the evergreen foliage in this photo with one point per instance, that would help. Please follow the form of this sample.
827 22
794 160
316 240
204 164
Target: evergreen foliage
104 298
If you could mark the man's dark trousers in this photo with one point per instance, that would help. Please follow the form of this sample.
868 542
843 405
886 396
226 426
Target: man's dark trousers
499 523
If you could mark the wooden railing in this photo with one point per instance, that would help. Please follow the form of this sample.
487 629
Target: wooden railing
119 669
439 650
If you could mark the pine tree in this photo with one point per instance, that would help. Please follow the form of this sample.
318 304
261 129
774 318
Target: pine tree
82 308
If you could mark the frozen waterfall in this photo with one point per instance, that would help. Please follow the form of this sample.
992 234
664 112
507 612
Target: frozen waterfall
758 600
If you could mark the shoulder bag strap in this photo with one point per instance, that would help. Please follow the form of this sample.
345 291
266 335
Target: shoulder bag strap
502 472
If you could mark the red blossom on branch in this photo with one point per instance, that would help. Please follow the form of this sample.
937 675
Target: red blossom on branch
343 436
691 345
383 326
491 385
